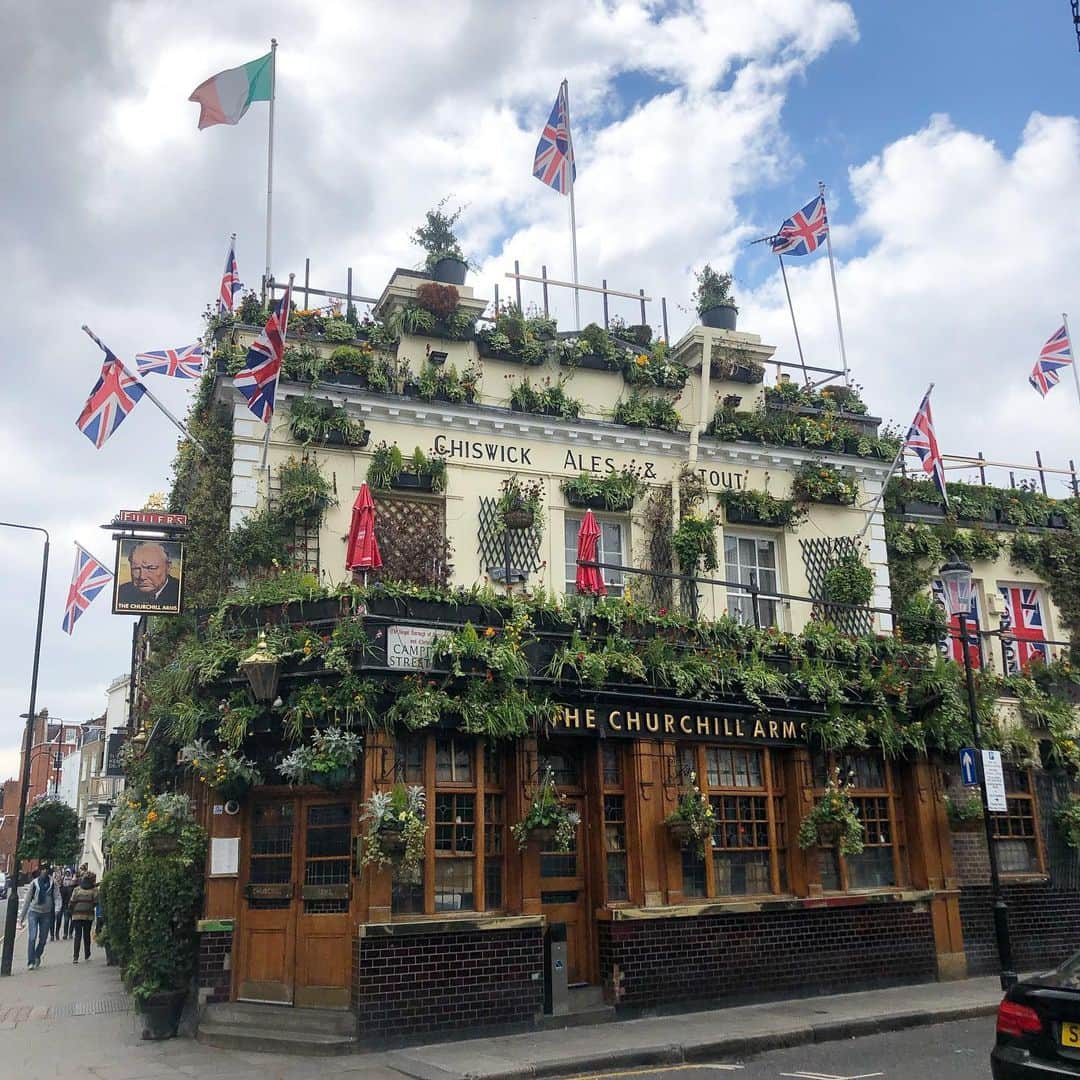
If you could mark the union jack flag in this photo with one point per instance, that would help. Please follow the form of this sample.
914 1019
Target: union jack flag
230 280
87 580
115 394
923 441
804 231
952 645
185 363
554 162
259 377
1055 354
1025 642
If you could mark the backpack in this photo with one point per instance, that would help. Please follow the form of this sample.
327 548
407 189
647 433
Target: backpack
44 893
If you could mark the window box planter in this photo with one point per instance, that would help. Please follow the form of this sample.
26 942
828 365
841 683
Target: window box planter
412 481
739 374
161 1014
541 412
833 500
923 509
331 779
736 515
325 610
336 438
594 362
507 356
597 502
1057 520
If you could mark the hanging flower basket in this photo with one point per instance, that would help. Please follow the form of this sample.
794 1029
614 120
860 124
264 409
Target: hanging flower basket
681 831
519 519
828 832
163 843
542 837
233 789
392 839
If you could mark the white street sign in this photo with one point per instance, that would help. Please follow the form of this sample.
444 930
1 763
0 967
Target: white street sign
995 782
411 646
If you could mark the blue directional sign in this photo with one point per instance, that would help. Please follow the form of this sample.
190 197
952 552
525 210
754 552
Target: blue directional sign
968 769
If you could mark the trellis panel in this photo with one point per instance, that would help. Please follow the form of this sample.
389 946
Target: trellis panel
820 555
524 543
412 540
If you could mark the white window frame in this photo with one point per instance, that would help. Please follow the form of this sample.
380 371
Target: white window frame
615 588
733 596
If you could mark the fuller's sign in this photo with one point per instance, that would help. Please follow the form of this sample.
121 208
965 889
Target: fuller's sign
151 518
643 722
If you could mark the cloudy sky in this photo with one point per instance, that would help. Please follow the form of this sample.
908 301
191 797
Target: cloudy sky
947 135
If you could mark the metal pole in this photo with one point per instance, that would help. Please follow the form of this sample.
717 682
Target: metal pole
270 162
836 296
285 305
496 301
1075 481
1042 475
573 213
982 471
663 313
517 283
12 914
1001 911
641 293
543 274
794 324
348 291
1076 374
605 307
506 557
307 281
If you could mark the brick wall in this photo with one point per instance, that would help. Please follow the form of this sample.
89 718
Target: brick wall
215 965
794 951
410 984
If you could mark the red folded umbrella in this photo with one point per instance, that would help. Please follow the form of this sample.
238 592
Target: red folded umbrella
362 552
589 579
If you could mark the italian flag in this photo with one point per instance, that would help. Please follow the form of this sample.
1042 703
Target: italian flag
225 97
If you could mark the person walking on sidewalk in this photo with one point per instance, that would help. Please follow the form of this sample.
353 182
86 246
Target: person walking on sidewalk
39 908
67 887
83 902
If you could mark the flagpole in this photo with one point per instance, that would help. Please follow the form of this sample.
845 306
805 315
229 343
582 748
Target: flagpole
149 393
573 216
286 299
889 475
836 296
270 163
1076 374
794 324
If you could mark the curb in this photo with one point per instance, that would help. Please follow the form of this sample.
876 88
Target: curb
707 1050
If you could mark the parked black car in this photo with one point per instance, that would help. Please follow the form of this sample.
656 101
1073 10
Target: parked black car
1038 1027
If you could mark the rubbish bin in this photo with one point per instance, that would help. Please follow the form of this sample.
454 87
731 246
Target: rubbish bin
556 995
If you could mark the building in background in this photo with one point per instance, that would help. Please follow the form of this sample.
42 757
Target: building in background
101 780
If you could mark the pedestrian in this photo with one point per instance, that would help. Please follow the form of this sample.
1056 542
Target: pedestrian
54 928
83 903
39 909
67 887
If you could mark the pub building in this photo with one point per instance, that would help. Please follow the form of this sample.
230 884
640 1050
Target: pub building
293 917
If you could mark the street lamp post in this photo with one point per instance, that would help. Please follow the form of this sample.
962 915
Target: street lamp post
956 582
12 914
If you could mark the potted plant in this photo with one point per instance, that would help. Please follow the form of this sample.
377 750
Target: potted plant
230 774
655 368
164 817
692 821
638 410
735 365
1067 820
389 468
824 484
548 823
712 297
759 508
305 493
520 504
396 828
965 814
547 399
594 348
444 259
833 820
324 422
326 761
694 542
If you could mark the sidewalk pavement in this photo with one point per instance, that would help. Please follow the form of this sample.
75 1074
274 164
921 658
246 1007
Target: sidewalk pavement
63 1017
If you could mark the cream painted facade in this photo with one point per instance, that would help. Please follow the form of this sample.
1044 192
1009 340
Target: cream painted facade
485 443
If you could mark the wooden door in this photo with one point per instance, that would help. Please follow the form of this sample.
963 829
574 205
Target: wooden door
323 924
267 938
564 877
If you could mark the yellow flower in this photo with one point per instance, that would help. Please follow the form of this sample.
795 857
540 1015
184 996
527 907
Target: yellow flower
642 360
489 632
152 816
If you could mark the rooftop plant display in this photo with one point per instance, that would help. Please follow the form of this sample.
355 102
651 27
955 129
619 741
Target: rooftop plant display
435 312
731 364
817 482
518 338
655 368
436 236
323 421
546 398
713 290
976 502
750 507
390 468
614 491
593 347
832 398
638 410
639 334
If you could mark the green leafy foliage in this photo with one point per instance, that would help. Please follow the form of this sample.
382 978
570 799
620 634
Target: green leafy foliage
849 581
436 235
50 833
616 490
761 507
388 463
713 289
318 421
639 410
547 398
817 482
694 542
